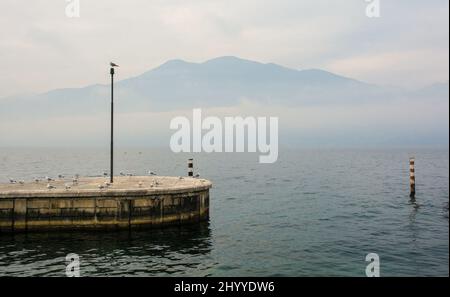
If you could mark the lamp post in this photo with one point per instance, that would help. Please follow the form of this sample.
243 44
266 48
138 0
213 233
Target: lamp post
111 176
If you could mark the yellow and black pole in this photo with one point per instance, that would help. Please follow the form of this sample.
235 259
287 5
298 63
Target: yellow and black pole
111 176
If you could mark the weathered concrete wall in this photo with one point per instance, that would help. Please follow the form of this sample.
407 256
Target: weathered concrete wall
107 210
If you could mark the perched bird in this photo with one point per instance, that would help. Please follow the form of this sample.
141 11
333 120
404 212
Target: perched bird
105 173
12 181
48 178
101 187
67 186
107 184
60 176
75 180
49 186
151 173
180 177
113 64
197 175
21 182
37 180
122 174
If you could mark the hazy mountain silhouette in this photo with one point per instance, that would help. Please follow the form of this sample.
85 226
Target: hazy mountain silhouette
222 81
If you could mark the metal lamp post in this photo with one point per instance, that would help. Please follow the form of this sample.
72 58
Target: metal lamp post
111 177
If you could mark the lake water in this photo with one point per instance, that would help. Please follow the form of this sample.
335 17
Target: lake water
312 213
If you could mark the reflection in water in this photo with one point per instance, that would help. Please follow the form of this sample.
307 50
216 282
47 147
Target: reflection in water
175 251
414 247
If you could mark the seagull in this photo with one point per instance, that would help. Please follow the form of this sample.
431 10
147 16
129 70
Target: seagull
49 186
48 178
107 184
67 186
60 176
101 187
113 64
37 180
12 181
122 174
105 173
21 182
151 173
197 175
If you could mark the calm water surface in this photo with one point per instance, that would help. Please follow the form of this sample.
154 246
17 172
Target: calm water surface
313 213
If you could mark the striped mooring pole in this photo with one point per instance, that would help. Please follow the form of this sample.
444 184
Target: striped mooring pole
191 167
412 178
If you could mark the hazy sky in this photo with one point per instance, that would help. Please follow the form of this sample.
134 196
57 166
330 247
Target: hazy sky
42 49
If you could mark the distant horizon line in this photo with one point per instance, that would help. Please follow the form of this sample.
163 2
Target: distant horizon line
282 147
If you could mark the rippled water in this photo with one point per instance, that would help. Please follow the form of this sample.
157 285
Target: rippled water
313 213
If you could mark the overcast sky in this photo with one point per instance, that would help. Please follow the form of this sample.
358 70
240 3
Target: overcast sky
42 49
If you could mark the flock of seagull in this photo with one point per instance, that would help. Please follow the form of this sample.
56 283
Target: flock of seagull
75 178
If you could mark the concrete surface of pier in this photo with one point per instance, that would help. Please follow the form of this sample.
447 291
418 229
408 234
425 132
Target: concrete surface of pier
93 203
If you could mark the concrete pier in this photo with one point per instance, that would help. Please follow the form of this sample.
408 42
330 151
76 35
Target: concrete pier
93 203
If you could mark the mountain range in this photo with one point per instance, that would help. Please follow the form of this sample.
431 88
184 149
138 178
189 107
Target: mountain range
219 82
